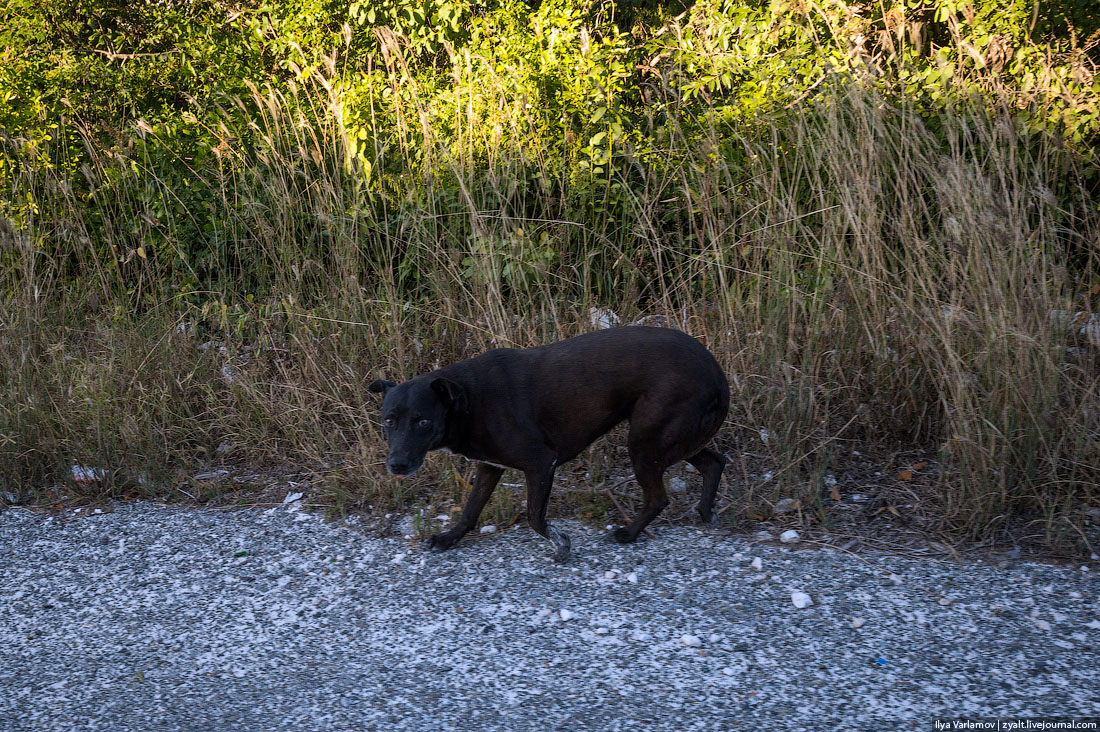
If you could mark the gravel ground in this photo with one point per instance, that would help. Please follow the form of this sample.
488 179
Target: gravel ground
155 618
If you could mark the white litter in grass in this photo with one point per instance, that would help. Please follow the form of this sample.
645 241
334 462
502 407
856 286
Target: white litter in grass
894 578
632 578
789 537
488 529
801 600
858 623
757 564
82 474
1041 624
603 318
691 641
787 505
398 558
292 497
566 614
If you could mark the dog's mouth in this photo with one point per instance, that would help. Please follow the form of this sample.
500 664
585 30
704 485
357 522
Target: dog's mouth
402 471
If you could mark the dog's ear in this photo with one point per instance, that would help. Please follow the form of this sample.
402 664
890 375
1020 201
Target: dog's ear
379 386
450 393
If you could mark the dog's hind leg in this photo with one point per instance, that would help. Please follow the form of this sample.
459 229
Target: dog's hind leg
710 464
539 483
661 434
651 477
485 480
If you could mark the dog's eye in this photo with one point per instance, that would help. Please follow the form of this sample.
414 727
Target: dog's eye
423 423
388 421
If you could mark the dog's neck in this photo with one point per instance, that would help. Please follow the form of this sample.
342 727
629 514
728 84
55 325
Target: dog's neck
454 431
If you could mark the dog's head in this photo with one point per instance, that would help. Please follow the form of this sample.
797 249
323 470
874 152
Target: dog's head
414 418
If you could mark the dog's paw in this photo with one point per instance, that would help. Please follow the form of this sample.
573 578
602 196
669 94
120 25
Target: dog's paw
623 535
710 518
442 542
562 546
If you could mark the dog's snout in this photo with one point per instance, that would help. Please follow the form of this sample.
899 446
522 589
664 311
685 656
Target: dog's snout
403 467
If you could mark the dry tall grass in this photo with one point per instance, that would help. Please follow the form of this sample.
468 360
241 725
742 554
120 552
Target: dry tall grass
868 283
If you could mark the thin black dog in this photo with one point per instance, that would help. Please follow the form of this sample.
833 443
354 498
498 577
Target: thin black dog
536 408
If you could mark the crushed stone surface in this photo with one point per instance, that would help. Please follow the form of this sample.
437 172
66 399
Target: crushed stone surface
148 617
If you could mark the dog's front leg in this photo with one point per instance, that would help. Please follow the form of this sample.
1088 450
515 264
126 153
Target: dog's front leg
485 480
539 483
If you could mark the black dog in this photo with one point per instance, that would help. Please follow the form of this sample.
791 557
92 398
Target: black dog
537 408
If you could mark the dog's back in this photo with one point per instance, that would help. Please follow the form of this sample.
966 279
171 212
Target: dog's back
577 389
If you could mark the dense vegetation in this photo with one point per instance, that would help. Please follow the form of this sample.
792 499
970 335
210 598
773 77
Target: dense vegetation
220 220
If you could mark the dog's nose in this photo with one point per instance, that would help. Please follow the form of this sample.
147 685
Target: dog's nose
398 469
